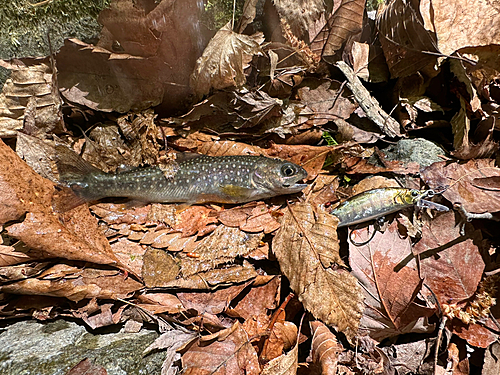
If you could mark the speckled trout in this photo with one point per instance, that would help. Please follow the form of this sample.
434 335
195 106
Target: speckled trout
218 179
376 203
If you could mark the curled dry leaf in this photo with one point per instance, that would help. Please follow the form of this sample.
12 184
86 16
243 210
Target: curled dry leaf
252 217
233 354
285 364
25 82
215 278
404 37
71 235
390 284
224 59
307 249
220 247
459 181
76 284
214 302
325 348
258 300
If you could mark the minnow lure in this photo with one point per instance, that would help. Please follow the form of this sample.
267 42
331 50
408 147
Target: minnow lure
218 179
373 204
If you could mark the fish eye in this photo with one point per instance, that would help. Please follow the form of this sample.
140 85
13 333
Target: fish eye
414 193
288 170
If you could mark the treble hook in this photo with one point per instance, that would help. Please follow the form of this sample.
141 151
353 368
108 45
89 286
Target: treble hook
376 226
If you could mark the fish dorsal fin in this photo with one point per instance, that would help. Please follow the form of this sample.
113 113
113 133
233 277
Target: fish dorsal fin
72 166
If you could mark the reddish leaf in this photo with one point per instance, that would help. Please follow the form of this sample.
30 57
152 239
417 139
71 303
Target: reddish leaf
451 265
390 283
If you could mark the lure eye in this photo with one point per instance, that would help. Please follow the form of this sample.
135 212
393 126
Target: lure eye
414 193
288 170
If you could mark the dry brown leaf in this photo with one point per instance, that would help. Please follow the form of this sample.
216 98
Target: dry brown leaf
325 348
258 300
325 101
300 15
76 284
474 334
473 199
344 24
158 303
285 364
71 235
306 247
390 282
252 217
10 256
129 254
404 38
233 354
455 273
220 247
25 82
113 213
458 25
214 302
219 277
159 268
85 367
224 59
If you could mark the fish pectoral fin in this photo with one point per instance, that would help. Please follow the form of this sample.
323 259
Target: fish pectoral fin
237 192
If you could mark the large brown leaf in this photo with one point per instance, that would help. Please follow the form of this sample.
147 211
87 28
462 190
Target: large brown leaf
224 60
71 235
462 188
390 285
451 264
229 355
306 247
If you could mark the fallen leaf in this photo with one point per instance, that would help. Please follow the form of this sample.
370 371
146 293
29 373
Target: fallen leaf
224 59
85 367
219 277
474 334
214 302
220 247
252 217
405 39
306 247
259 300
390 284
325 348
159 268
459 178
233 354
285 364
451 264
325 101
25 82
76 284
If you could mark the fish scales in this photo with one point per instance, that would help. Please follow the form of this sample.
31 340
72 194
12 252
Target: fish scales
222 179
375 203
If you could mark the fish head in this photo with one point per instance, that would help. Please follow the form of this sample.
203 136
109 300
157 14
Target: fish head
278 177
412 196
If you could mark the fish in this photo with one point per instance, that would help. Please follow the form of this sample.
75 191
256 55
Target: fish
376 203
198 179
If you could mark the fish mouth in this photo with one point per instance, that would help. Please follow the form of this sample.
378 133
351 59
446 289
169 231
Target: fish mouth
295 187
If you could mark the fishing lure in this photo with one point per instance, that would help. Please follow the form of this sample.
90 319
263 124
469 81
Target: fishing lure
373 204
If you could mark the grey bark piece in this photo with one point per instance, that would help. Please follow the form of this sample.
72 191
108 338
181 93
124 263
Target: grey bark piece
370 105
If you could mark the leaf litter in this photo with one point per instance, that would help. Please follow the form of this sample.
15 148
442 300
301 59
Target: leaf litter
221 271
